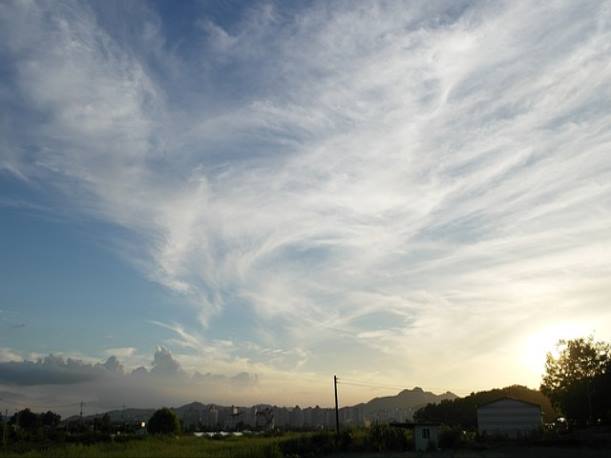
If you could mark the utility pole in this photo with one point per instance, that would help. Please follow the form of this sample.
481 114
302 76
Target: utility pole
5 429
81 410
336 405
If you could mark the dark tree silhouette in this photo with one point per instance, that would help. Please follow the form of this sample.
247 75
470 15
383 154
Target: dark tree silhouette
102 424
575 379
163 421
50 419
462 412
602 394
27 420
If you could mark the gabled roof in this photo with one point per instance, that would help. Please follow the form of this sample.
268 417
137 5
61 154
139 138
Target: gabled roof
412 425
507 398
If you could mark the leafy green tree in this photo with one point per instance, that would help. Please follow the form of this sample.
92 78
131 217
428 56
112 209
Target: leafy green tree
163 421
574 378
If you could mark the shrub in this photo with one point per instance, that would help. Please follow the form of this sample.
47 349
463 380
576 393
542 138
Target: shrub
345 440
262 451
311 445
450 438
388 438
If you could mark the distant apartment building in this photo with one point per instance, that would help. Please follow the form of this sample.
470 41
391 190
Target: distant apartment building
296 418
213 417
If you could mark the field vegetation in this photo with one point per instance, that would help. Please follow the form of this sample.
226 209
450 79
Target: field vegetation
379 438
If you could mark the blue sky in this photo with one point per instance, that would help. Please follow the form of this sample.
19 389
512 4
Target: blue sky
406 193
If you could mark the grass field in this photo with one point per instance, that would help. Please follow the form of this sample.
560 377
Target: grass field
517 452
290 445
187 447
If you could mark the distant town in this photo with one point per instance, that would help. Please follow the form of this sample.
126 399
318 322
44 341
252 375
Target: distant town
211 417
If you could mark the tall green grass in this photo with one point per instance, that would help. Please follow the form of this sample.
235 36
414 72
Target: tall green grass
378 438
186 447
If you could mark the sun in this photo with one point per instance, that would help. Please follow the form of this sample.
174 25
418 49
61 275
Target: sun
544 340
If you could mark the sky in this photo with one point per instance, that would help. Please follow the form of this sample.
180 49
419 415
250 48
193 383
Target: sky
231 202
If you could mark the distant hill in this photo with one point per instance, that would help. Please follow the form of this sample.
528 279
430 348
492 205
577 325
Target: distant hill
117 416
191 407
406 399
463 411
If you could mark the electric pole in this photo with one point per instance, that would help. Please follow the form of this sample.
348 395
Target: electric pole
81 410
5 429
336 405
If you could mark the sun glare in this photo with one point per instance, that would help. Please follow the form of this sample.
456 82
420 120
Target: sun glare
544 340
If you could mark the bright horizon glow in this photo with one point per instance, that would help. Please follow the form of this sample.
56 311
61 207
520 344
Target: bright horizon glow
545 341
248 198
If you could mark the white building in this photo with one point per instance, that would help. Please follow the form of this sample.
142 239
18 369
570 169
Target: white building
509 417
426 436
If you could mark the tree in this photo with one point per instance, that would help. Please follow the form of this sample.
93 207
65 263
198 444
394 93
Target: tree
102 424
27 420
602 394
5 427
163 421
462 412
50 419
573 379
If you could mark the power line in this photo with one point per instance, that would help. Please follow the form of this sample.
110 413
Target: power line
35 405
369 384
27 403
382 385
365 384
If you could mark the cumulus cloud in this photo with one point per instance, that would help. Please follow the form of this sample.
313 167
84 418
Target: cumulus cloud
112 364
54 381
243 379
164 364
377 176
6 355
51 370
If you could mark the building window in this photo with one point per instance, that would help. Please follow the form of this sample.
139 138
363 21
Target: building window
426 434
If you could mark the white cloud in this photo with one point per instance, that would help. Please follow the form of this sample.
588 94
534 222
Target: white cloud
6 355
121 352
54 381
446 164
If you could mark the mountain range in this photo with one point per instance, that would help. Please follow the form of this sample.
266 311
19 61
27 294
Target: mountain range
407 400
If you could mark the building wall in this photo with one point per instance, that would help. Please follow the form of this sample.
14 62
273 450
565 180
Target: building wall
425 437
508 417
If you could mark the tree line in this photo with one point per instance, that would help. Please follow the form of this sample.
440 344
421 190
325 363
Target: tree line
576 385
578 380
462 412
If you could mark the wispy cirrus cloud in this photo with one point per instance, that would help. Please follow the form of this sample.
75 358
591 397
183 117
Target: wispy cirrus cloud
365 178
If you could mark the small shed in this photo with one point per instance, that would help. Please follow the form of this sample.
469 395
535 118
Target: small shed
509 417
426 436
